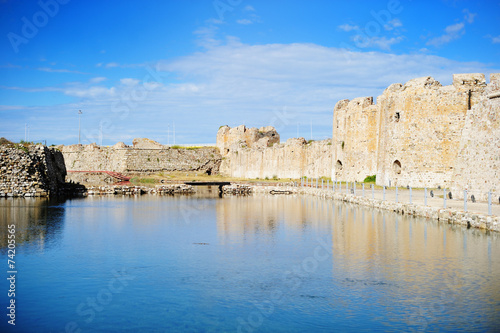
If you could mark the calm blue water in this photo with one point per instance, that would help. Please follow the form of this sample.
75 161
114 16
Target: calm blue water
247 264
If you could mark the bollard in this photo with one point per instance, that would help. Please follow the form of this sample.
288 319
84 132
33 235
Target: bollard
316 182
425 196
354 188
396 193
410 197
321 183
327 184
363 190
444 197
465 200
489 203
373 192
384 193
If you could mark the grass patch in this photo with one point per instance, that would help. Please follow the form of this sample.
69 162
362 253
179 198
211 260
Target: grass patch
144 180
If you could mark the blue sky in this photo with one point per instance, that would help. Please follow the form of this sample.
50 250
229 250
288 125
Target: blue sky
141 68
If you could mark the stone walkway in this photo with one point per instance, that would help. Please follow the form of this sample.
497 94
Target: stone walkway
418 198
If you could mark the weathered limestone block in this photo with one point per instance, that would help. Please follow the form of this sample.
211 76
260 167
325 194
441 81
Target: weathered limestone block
144 143
253 137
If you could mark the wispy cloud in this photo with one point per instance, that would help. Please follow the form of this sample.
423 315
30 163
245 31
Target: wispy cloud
31 90
452 32
206 36
382 43
249 8
112 65
97 79
393 24
469 17
57 70
347 27
495 40
10 66
244 21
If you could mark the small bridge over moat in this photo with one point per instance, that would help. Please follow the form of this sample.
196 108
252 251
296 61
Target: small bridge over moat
220 184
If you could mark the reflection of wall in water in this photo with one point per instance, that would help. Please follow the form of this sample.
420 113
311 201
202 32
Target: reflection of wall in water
243 217
411 248
37 220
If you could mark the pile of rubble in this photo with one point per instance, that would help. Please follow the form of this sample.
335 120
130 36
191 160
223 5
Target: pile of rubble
138 190
237 189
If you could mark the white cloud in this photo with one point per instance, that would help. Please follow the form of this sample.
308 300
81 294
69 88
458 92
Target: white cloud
348 27
392 24
452 32
382 43
249 8
206 36
92 92
235 83
469 17
112 65
244 21
55 70
97 79
495 40
129 82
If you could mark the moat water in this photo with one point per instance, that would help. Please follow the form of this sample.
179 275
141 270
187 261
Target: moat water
242 264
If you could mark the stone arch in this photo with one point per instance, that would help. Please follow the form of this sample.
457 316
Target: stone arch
396 166
338 169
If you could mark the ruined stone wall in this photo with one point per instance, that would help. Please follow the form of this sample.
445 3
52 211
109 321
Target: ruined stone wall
231 138
146 160
418 133
355 139
294 159
421 126
477 167
30 172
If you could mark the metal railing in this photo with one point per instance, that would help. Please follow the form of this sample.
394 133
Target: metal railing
425 196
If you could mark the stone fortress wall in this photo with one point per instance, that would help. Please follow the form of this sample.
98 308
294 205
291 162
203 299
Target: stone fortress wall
145 156
257 153
35 171
418 134
423 134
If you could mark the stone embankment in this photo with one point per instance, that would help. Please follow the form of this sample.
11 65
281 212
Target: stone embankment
237 189
138 190
33 171
451 216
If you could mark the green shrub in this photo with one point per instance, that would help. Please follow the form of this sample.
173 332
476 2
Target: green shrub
370 179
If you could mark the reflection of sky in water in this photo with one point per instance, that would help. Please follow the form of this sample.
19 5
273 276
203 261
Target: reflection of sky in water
273 263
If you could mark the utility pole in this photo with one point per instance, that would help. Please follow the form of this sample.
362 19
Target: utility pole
168 134
174 133
100 134
79 125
